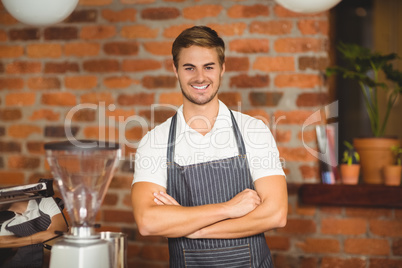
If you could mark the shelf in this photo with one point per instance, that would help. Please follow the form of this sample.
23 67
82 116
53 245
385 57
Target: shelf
351 195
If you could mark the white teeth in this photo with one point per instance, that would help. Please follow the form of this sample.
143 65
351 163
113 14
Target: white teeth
202 87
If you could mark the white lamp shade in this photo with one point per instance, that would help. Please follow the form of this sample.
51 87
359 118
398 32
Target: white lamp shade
308 6
40 12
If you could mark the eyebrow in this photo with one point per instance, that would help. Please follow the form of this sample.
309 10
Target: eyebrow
192 65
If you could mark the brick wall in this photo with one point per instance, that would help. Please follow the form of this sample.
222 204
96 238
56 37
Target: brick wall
116 55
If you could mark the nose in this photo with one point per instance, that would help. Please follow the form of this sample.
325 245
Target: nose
199 76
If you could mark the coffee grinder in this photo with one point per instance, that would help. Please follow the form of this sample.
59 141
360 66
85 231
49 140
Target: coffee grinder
83 171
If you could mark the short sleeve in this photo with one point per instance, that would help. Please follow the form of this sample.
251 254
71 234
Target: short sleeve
48 205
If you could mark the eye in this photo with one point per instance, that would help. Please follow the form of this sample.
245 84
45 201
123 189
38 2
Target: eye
189 68
209 68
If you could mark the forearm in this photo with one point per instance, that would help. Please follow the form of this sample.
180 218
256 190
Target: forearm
15 241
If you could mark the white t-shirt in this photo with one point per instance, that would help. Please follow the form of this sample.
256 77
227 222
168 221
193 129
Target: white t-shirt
192 148
47 205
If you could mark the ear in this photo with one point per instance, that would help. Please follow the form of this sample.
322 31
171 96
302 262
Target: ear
223 69
175 70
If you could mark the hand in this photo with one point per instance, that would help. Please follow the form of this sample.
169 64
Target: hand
243 203
163 198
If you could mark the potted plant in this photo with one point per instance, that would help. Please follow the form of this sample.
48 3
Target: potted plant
350 167
392 173
366 66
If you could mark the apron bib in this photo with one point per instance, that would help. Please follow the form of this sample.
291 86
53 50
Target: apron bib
209 183
32 255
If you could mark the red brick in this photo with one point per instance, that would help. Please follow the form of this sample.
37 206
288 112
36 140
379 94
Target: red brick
118 82
320 245
307 135
313 27
125 15
138 31
43 83
157 115
246 81
97 97
312 99
81 49
11 51
119 115
44 50
121 182
23 162
23 67
36 147
349 226
173 98
10 147
10 114
280 11
95 2
274 64
3 36
201 11
367 246
265 98
155 252
81 82
386 228
274 27
159 48
101 65
11 83
134 133
241 11
237 64
297 154
60 33
20 99
121 48
175 30
298 80
101 133
282 136
23 131
45 114
229 29
136 99
78 16
298 226
7 19
61 67
305 210
278 242
59 99
397 247
110 199
309 172
137 1
260 114
156 82
97 32
296 45
84 115
160 13
314 63
385 263
331 262
10 178
368 212
286 260
297 117
249 45
138 65
59 131
231 99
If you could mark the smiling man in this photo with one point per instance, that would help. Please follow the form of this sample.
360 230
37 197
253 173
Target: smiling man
221 184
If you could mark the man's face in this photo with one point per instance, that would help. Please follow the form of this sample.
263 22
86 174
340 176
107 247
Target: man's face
199 74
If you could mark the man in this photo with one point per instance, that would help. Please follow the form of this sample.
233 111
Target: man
215 184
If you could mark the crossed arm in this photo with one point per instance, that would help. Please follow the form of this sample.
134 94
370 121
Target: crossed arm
249 212
57 224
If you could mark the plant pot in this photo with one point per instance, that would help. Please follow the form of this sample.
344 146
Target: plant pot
392 175
350 173
375 154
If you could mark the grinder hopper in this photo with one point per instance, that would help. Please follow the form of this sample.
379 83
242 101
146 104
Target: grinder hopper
83 171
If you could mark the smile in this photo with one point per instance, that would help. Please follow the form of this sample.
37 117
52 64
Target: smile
200 87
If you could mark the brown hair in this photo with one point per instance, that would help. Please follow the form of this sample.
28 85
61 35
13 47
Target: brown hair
201 36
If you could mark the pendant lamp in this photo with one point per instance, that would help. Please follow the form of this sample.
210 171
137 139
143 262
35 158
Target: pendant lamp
308 6
40 12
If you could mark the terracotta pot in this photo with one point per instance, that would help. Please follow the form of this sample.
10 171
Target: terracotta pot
392 175
375 154
350 173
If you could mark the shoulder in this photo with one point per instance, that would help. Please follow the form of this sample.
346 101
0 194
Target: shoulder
245 121
157 137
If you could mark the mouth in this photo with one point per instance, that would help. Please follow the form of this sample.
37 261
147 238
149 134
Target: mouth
200 87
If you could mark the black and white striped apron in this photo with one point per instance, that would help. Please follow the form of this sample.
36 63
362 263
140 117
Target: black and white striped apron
30 256
209 183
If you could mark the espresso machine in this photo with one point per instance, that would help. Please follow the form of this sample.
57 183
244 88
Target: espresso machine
82 171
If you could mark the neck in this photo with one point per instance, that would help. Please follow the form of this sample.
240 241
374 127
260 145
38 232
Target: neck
201 117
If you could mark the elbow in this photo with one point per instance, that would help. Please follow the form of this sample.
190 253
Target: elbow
281 218
146 227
